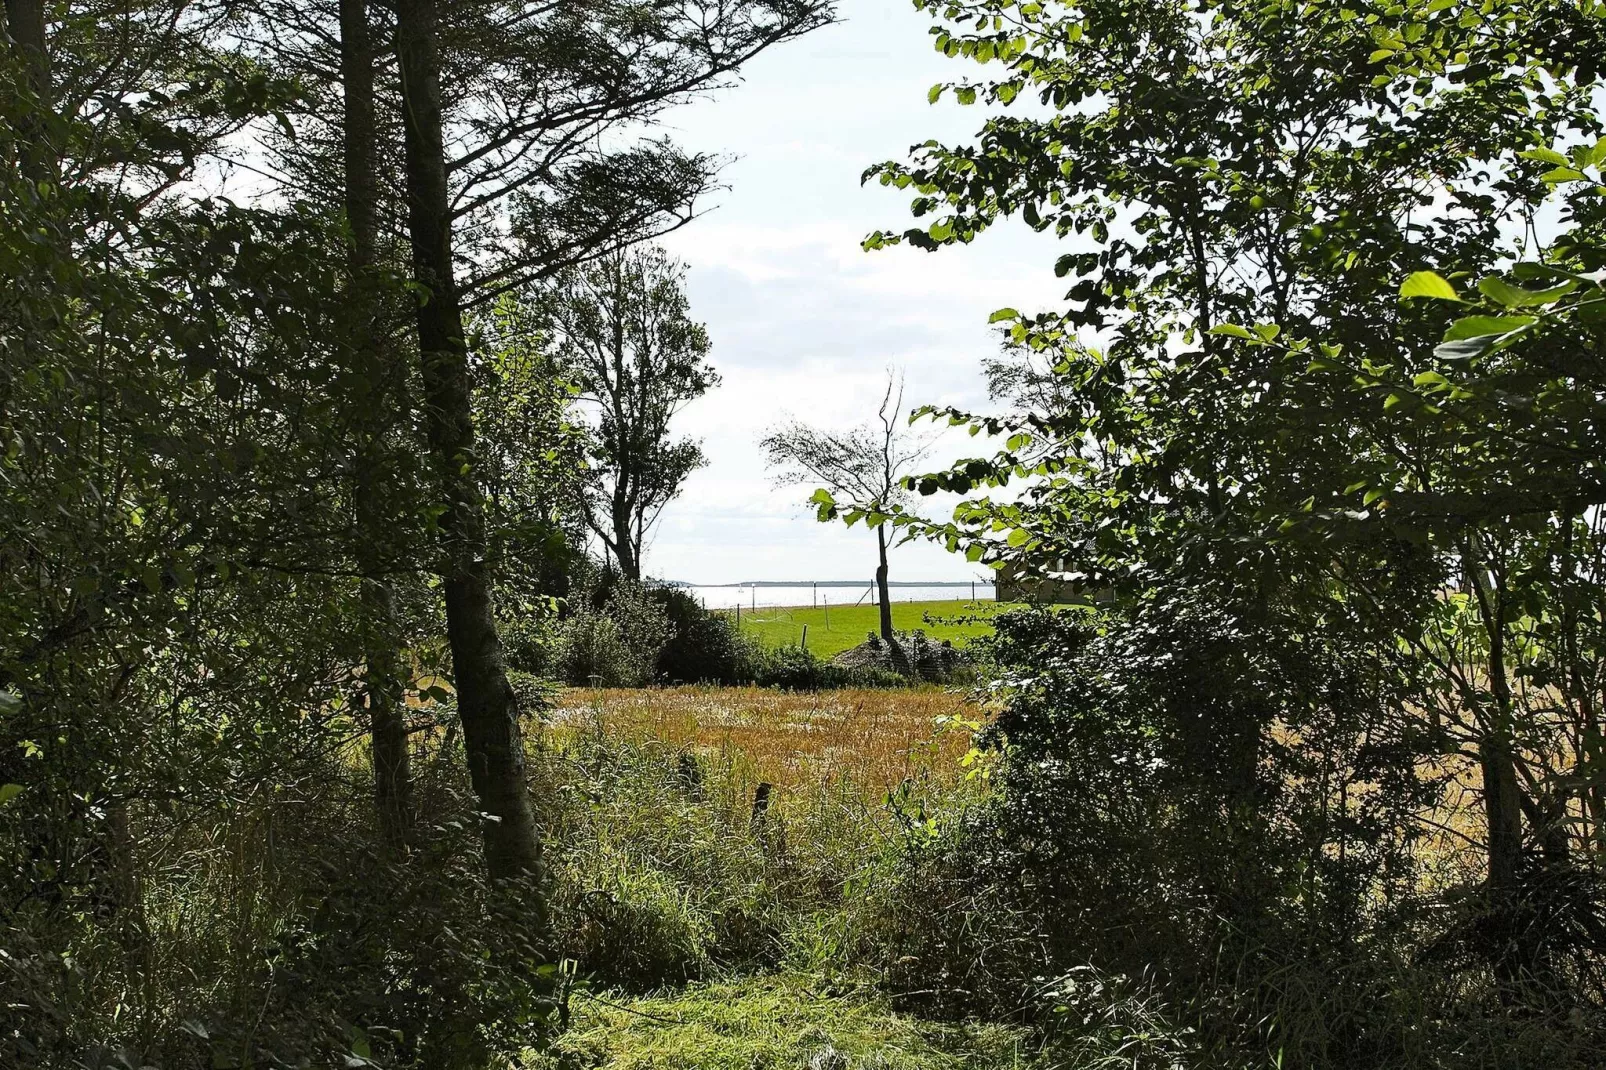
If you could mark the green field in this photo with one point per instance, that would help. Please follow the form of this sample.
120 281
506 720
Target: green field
833 629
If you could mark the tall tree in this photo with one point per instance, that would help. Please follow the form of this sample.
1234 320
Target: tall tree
375 382
485 698
1239 176
636 356
860 473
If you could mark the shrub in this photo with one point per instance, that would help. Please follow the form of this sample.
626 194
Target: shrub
1160 810
628 923
796 669
615 646
591 650
704 647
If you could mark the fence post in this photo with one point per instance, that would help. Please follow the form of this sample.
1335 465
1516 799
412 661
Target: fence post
761 805
805 642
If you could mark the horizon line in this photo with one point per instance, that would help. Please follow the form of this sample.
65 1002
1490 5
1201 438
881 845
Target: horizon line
835 583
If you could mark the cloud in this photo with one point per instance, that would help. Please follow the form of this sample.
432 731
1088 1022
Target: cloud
803 320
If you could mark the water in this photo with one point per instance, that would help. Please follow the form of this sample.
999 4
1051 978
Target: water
804 595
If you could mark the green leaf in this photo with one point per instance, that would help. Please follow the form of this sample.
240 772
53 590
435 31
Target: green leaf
1465 348
1550 156
1478 326
1428 284
1563 174
1232 330
9 792
1003 314
1503 293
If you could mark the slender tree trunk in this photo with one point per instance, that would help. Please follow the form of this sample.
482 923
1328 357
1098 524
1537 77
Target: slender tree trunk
25 25
626 548
382 678
881 584
1502 807
485 700
1502 794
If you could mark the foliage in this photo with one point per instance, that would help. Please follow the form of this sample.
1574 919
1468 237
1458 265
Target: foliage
1343 561
865 468
704 647
637 359
212 466
531 464
241 951
618 645
1243 408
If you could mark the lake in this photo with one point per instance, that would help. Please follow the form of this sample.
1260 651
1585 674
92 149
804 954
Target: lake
804 594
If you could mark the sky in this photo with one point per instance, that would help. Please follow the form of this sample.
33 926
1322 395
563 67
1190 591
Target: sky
805 323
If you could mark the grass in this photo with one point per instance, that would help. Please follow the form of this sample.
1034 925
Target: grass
871 739
779 1021
833 629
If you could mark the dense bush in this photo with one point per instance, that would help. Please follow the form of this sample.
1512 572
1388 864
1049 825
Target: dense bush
273 933
704 647
616 644
1203 816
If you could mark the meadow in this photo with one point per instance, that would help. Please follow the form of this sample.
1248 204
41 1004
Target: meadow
833 629
690 873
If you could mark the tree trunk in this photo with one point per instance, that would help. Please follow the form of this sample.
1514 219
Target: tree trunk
485 700
881 585
382 678
626 550
25 25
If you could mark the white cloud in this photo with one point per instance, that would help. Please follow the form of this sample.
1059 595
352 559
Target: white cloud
804 322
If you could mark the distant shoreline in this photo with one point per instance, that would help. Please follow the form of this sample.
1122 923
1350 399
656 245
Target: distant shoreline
836 583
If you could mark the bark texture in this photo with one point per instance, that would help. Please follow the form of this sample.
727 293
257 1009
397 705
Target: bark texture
382 681
25 26
485 700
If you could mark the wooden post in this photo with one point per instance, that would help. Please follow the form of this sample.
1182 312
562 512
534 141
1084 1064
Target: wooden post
805 643
761 805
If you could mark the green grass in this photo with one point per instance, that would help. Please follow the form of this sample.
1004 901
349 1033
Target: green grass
833 629
782 1022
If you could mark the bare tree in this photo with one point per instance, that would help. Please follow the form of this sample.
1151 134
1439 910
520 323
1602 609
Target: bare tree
636 356
862 469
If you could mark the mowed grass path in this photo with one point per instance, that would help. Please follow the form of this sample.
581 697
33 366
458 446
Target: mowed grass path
833 629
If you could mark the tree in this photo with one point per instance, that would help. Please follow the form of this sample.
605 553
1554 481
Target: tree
634 354
509 179
860 473
1248 184
377 381
485 698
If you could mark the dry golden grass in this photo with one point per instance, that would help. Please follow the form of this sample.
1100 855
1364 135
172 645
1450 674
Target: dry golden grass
871 739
